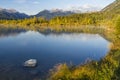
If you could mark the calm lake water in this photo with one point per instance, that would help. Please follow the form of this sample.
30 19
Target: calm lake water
49 50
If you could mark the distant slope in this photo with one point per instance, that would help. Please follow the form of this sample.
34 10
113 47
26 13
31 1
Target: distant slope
11 14
113 7
50 14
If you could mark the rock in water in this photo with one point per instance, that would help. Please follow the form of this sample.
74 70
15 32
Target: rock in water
30 63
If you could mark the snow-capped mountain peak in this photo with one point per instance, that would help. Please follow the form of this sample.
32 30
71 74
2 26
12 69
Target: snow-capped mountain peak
9 10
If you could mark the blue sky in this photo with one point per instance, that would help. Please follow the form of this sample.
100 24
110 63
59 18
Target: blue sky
34 6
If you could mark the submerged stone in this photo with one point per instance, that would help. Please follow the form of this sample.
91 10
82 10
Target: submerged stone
30 63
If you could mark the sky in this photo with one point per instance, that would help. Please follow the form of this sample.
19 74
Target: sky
32 7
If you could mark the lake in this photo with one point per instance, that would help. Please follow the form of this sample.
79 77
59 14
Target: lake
49 49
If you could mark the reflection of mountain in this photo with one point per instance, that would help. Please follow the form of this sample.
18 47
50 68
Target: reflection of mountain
56 35
49 33
5 33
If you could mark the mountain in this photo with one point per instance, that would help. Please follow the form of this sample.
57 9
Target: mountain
48 14
11 14
113 7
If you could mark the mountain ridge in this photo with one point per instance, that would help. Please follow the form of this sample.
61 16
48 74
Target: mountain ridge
113 8
48 14
11 14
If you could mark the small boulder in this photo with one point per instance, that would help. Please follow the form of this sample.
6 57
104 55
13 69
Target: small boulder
30 63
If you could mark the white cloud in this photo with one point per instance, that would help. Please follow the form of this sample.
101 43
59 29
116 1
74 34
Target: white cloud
35 2
24 1
20 1
84 8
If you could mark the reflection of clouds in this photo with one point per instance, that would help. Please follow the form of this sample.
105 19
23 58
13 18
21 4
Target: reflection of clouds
26 38
84 38
77 36
35 35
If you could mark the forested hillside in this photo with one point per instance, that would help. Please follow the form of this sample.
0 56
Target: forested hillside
113 7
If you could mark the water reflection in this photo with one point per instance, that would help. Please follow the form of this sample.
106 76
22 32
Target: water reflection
48 49
5 33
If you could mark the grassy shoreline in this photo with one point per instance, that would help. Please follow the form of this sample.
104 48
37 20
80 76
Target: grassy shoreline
108 68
